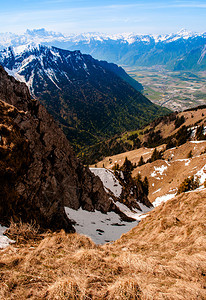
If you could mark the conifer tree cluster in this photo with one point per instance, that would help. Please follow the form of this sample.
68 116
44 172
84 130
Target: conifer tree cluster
124 174
155 156
200 133
189 184
141 161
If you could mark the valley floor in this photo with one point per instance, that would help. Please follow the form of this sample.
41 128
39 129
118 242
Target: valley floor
161 258
174 90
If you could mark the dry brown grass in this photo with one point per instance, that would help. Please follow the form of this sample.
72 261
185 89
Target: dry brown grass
65 288
177 169
163 257
133 156
22 232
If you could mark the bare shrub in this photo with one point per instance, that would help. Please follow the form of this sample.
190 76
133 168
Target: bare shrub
21 232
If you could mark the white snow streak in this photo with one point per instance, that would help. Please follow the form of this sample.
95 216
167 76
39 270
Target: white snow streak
134 213
109 181
162 199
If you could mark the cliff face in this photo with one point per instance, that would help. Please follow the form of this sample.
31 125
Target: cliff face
45 174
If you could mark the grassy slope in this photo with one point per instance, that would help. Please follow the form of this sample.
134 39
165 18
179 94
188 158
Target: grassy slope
162 258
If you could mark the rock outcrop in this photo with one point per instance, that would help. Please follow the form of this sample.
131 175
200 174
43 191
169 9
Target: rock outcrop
38 169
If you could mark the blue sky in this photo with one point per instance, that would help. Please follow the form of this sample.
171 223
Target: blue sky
109 16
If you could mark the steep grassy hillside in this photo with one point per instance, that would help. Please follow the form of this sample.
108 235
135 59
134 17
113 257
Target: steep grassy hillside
180 141
162 258
172 130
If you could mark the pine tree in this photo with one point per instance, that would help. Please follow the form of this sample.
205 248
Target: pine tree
190 155
155 155
146 185
141 161
127 168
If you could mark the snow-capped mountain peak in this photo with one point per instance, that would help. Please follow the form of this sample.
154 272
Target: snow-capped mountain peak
42 36
42 32
24 48
185 33
50 63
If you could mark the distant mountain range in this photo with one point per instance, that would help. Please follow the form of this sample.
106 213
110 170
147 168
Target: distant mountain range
91 99
180 51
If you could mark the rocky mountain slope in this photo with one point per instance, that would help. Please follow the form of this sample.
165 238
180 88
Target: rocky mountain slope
165 252
193 60
39 171
170 50
166 174
88 98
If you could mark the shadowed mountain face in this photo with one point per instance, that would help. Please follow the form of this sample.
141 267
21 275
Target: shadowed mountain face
39 172
91 99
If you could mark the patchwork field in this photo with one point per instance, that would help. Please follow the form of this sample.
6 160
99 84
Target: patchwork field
174 90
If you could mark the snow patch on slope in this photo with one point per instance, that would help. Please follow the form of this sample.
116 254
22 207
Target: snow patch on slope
162 199
159 170
109 180
106 227
134 213
112 184
52 76
4 240
201 174
15 74
197 142
100 227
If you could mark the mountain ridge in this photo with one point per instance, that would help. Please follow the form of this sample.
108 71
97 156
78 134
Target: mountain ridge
43 35
91 99
124 49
